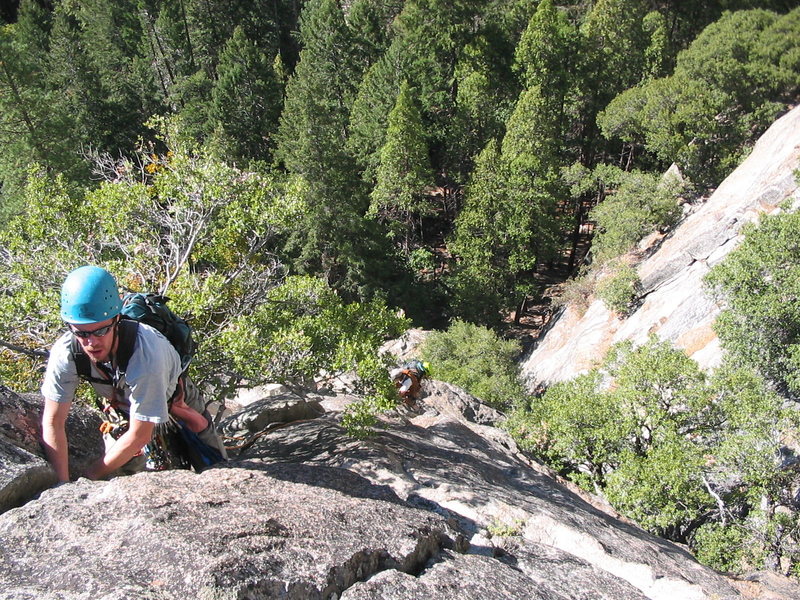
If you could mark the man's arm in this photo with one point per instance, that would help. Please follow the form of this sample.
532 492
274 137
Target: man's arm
125 448
54 436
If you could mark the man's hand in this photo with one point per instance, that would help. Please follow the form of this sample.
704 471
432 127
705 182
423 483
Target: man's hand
125 448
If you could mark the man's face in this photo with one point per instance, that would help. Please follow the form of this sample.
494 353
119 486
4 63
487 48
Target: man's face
96 339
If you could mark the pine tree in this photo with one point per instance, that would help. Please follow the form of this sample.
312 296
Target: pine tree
404 174
613 60
319 95
510 222
29 130
82 99
311 144
112 42
370 22
211 23
481 243
374 101
433 35
246 100
486 93
546 56
167 43
531 156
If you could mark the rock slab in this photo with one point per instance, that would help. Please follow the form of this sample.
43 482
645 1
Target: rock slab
676 306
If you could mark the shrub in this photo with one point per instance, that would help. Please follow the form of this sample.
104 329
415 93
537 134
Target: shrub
478 360
620 288
759 283
674 450
642 204
720 546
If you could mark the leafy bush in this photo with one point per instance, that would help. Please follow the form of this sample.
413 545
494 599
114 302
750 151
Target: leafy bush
759 283
620 288
476 359
662 489
720 546
673 449
574 427
641 205
205 233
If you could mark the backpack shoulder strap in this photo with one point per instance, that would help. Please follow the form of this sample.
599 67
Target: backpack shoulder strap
82 363
128 330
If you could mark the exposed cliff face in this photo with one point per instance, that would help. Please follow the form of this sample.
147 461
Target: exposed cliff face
675 305
437 505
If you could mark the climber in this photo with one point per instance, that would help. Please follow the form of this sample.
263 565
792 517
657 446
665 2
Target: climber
408 380
134 369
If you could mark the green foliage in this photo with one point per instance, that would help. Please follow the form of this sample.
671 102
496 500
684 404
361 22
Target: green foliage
404 175
759 283
721 546
246 100
656 55
476 359
422 260
432 34
619 288
641 204
83 79
611 59
672 448
485 98
615 44
370 21
335 240
304 328
205 233
510 221
30 131
574 427
546 49
483 278
193 227
375 99
319 95
726 89
499 528
661 490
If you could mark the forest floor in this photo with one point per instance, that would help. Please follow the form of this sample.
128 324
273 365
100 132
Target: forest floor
537 312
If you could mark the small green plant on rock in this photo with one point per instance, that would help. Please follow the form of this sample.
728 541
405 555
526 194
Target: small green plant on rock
619 289
500 528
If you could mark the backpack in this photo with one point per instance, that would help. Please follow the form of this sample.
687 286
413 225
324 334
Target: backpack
417 367
150 309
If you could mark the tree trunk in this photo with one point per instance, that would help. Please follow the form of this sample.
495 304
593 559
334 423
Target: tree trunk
521 309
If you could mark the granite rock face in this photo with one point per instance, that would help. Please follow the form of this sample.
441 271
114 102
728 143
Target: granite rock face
675 306
23 470
437 504
226 533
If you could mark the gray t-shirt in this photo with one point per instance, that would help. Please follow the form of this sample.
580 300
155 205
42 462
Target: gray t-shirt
149 382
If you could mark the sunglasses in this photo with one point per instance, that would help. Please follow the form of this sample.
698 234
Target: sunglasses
99 332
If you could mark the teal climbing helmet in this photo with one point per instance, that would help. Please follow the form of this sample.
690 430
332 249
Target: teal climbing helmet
89 295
